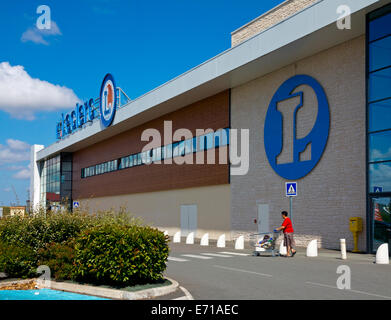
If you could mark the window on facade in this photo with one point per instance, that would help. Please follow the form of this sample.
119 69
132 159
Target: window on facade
168 151
148 156
157 154
379 99
380 174
379 27
195 139
380 115
221 138
139 159
380 146
181 148
130 161
175 149
206 141
379 52
379 85
188 146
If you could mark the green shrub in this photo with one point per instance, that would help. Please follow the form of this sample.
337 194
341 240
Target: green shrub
40 230
18 262
103 248
59 258
36 232
120 255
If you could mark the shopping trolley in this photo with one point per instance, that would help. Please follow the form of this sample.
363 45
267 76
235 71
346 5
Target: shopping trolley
264 242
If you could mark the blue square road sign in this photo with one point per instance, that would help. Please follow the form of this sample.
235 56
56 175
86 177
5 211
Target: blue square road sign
291 189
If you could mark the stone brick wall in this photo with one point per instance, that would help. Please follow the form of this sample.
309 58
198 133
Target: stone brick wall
335 189
270 18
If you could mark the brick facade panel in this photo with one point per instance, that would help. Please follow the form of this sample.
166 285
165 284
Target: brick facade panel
210 113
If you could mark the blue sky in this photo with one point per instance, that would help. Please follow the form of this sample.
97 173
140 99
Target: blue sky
142 43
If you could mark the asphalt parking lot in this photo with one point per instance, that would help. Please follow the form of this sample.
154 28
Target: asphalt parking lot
210 273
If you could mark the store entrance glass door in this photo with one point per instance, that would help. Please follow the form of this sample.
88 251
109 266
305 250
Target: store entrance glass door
381 221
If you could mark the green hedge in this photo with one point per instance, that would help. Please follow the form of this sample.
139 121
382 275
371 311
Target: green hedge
59 258
18 262
122 255
105 248
37 232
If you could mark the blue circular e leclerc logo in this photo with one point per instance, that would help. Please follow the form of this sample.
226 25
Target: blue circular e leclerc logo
108 100
315 141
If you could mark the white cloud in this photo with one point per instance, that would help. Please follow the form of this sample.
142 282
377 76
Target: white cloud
38 36
22 96
22 174
17 144
15 168
14 151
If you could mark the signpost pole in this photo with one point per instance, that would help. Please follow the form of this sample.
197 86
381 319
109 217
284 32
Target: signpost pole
291 191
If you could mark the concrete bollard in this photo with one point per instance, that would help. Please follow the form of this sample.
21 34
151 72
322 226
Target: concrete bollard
190 238
343 249
177 237
239 243
382 256
205 240
221 241
283 250
312 248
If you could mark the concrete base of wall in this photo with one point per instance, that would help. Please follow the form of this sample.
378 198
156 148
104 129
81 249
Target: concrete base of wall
163 209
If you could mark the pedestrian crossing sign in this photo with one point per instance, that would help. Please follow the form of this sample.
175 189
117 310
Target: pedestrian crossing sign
291 189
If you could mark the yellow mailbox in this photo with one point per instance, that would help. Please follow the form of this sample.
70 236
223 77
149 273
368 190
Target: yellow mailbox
355 225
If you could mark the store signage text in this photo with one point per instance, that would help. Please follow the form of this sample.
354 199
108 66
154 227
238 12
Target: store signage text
75 119
87 112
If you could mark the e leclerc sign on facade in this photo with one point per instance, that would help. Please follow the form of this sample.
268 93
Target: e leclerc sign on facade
87 112
316 138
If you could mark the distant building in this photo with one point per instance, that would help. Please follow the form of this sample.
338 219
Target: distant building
17 211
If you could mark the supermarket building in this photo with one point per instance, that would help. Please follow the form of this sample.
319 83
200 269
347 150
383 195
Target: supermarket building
311 86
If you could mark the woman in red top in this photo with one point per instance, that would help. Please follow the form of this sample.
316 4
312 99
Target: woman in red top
287 228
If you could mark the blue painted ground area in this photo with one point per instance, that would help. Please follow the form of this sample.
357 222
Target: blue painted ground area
44 294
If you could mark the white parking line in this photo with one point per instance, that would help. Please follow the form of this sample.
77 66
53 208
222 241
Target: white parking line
246 271
187 293
196 256
235 253
217 255
355 291
176 259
